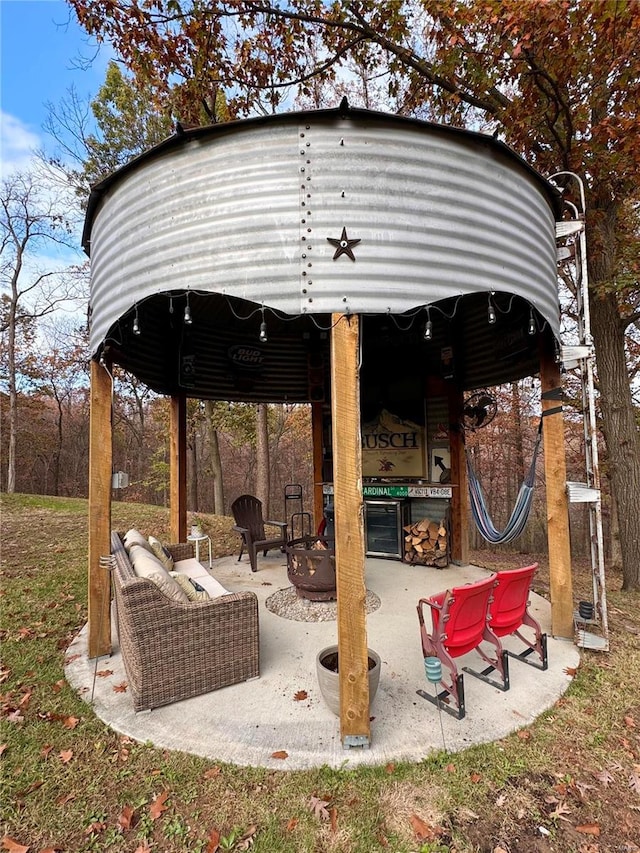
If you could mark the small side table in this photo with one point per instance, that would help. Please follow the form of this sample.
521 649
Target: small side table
198 541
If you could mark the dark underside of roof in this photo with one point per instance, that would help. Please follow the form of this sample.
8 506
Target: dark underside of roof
219 355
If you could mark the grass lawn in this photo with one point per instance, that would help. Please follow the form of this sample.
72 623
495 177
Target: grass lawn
569 783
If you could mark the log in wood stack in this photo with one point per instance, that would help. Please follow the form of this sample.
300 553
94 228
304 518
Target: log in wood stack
426 543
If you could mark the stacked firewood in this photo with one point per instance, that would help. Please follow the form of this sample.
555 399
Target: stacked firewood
427 543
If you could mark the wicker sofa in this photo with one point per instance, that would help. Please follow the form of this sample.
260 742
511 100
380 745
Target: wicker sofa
174 650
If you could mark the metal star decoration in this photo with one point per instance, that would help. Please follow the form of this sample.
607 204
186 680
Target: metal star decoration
343 246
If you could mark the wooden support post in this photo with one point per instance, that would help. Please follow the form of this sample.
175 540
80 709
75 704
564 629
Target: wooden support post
100 470
557 501
316 435
460 487
355 729
178 469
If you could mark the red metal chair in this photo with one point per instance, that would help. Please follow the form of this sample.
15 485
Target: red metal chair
460 624
509 611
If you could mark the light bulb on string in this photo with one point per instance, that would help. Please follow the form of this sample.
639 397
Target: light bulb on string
135 328
428 327
532 323
491 311
262 337
187 313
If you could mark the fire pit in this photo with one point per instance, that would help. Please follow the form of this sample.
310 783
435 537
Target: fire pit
311 567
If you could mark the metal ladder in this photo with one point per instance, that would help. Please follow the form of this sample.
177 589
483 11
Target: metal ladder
591 633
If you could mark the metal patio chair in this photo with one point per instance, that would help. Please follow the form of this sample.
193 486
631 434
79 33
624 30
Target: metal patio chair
509 611
460 624
247 513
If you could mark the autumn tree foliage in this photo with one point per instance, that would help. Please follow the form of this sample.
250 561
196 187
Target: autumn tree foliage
559 81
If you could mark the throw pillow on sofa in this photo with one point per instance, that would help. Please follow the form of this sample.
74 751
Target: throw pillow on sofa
162 553
134 537
147 565
189 589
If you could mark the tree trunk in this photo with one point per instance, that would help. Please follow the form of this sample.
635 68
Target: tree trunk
262 457
216 462
193 479
619 427
615 560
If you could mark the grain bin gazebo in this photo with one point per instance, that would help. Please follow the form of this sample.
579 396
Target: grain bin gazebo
369 260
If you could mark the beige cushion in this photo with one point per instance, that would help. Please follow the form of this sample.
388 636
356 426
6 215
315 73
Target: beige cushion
162 553
134 537
148 566
188 588
191 568
143 561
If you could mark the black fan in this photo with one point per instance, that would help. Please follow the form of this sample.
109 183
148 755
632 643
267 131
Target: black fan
479 410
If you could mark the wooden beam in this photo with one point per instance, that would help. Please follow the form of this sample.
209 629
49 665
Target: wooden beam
460 488
178 469
317 440
100 470
555 471
355 728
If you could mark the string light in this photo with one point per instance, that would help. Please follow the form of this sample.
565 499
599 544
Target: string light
135 328
532 322
491 311
428 327
263 329
187 312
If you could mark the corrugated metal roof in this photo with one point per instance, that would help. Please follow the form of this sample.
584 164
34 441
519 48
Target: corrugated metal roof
240 214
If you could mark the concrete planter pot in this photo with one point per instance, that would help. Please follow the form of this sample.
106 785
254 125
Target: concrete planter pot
328 678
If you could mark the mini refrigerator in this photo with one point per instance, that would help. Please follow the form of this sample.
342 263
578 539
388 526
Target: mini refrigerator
384 520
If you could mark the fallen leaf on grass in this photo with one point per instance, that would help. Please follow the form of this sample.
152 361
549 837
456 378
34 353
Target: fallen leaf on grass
423 831
570 670
588 829
66 755
560 811
212 772
390 768
32 787
95 827
158 805
120 688
524 734
13 846
292 823
300 696
70 722
604 777
124 818
634 782
15 717
319 807
630 722
143 847
475 777
582 788
66 798
450 768
213 842
281 753
247 839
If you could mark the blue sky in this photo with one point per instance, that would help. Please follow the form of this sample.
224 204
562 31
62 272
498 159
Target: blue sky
41 49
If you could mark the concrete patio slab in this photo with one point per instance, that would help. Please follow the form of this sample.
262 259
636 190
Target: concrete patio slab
246 723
